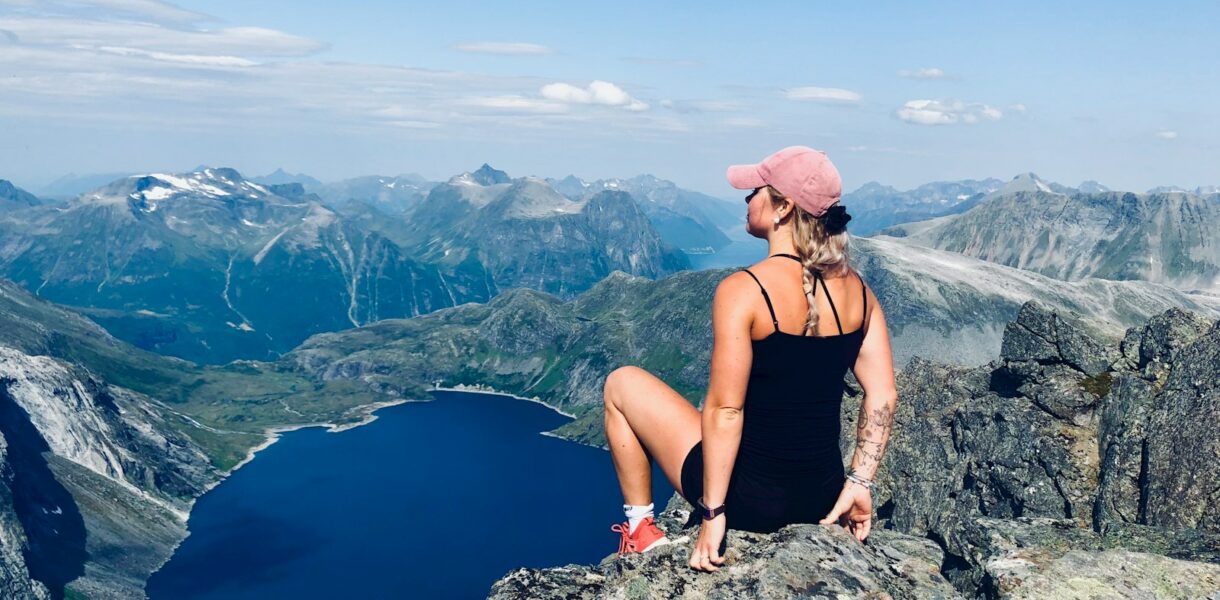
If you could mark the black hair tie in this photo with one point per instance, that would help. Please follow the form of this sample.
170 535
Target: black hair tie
835 219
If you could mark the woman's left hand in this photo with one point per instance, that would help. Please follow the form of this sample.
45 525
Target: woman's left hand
853 510
706 555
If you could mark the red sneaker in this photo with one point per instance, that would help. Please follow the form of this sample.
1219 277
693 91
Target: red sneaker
647 536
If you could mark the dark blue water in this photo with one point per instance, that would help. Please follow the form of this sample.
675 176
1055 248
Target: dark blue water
743 251
432 500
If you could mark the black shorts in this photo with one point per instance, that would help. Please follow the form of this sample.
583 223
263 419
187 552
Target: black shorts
763 504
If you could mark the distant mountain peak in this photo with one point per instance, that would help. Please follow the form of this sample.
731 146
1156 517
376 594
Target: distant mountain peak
1092 187
875 187
1203 190
280 176
487 175
1027 182
11 195
151 188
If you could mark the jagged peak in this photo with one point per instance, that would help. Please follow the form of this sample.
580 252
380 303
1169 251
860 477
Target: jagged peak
488 175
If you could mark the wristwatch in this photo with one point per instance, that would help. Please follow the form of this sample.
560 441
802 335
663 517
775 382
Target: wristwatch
709 513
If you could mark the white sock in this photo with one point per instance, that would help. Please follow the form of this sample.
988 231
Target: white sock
635 514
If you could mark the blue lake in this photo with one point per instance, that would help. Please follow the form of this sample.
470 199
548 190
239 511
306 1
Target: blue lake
432 500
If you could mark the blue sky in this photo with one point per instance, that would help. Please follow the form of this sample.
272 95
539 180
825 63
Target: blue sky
901 93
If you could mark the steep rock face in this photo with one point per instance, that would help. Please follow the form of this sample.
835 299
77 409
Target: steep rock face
1163 237
15 580
1158 440
101 486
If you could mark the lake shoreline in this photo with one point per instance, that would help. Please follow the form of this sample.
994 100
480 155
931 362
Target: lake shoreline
479 389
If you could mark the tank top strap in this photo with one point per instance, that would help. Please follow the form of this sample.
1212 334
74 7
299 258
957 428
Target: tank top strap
765 297
864 294
818 274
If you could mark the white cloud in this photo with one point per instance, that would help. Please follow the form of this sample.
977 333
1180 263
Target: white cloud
1018 107
515 103
190 59
822 94
508 48
598 92
925 73
1166 134
947 112
92 68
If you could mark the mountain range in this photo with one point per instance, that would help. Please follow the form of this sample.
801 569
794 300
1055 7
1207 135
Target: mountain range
689 220
1160 237
200 265
874 206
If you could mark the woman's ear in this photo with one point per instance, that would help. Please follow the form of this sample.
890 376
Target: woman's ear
784 209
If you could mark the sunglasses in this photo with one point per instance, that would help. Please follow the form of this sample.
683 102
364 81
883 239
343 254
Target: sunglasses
752 194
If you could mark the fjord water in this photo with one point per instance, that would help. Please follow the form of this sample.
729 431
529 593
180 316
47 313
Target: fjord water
742 251
432 500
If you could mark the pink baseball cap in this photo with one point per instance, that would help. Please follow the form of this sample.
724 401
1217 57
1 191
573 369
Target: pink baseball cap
799 172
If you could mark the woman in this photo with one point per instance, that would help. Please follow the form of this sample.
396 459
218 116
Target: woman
764 451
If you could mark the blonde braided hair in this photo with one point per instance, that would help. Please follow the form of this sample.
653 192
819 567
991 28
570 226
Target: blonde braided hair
819 251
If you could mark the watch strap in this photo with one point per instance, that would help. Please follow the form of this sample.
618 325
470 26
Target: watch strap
709 513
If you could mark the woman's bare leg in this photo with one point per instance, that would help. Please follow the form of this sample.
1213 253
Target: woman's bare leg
647 418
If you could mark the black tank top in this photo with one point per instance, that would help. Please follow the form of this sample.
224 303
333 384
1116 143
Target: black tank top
790 427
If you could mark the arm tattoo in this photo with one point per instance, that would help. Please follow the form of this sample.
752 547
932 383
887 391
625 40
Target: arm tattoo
873 428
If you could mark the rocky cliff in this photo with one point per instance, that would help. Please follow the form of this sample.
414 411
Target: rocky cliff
1065 468
95 486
